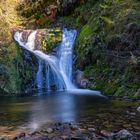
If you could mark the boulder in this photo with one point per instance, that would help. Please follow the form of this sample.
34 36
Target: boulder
81 81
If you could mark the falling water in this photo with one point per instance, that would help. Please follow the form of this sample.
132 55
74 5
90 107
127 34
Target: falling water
39 76
58 67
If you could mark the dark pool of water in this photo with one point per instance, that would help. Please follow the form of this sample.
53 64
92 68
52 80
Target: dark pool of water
38 110
50 107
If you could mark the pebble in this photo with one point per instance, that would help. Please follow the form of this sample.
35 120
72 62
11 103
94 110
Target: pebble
131 113
124 134
74 127
91 129
138 109
49 130
82 130
107 133
65 137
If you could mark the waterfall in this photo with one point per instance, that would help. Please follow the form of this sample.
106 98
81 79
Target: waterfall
58 67
54 71
39 76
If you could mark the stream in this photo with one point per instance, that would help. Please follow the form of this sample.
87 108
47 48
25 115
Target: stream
31 113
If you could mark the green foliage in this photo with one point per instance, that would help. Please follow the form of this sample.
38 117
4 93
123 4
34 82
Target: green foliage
106 24
107 20
33 8
12 80
16 74
85 33
53 37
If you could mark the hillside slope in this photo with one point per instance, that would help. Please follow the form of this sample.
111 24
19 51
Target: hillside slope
108 45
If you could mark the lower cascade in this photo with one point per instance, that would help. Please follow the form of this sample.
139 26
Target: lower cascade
58 67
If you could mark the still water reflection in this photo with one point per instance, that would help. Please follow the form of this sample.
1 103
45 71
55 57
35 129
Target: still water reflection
36 111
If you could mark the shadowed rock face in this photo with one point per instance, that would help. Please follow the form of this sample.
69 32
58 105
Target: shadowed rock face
46 39
63 7
67 6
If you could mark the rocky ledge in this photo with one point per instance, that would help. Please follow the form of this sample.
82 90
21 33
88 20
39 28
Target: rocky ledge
46 39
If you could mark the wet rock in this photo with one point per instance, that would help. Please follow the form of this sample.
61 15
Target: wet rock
107 133
84 83
93 136
58 124
136 127
91 129
131 113
137 94
65 137
81 81
74 127
127 125
49 130
35 133
82 130
4 138
124 134
19 136
138 109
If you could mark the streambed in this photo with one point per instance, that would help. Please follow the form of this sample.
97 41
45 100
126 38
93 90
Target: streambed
32 113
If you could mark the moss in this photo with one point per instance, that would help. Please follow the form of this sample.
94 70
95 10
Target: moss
52 37
12 74
85 33
18 73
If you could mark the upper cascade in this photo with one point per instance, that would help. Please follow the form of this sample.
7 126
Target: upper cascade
40 39
58 67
